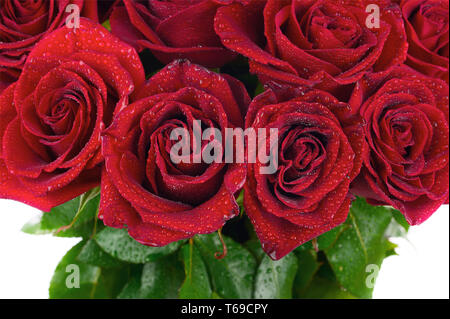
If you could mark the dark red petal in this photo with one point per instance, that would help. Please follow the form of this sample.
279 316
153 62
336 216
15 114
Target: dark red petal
123 27
7 112
211 57
117 212
238 28
90 37
278 236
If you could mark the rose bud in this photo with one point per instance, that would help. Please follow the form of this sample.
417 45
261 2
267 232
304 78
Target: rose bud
143 189
320 147
24 23
407 133
52 117
327 43
426 23
172 29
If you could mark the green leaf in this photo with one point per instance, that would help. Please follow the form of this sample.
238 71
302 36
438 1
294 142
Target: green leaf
323 284
306 246
131 290
259 89
255 248
359 245
81 209
275 279
74 279
390 248
112 281
120 245
400 219
83 222
160 279
34 227
399 226
88 275
327 239
92 254
232 276
307 268
61 215
240 202
74 218
107 25
214 295
322 288
196 284
325 270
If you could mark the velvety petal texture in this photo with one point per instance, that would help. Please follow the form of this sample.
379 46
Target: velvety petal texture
320 148
24 23
174 29
157 199
326 43
407 133
427 27
52 117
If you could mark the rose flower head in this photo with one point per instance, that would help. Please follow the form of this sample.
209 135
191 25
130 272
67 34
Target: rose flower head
319 149
327 43
427 27
406 129
158 199
52 117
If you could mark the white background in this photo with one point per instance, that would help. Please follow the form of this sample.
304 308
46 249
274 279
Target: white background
27 262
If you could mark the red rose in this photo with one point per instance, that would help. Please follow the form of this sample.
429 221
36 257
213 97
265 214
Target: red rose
309 42
142 188
172 29
24 23
407 132
51 118
427 30
319 153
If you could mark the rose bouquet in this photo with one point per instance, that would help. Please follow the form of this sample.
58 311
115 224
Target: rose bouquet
224 148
